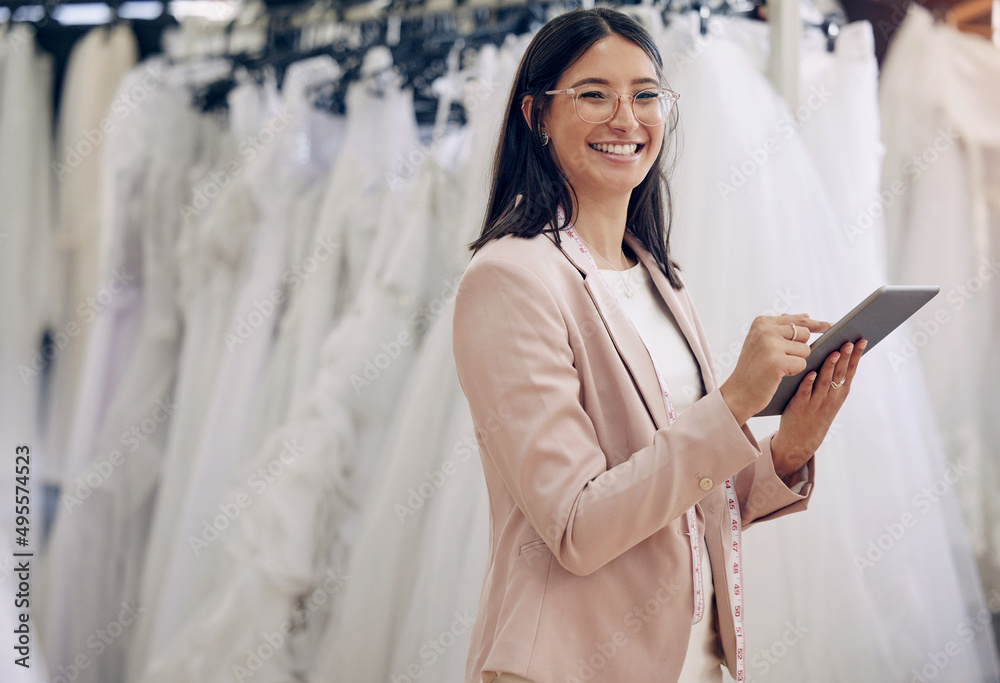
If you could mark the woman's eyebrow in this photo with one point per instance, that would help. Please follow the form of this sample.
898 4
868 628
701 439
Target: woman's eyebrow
604 81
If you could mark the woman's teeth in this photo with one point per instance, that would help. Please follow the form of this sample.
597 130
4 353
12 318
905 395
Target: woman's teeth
623 150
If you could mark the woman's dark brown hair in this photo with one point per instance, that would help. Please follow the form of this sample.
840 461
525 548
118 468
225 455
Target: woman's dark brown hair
523 167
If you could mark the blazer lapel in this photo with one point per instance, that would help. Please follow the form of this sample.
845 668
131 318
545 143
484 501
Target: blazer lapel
630 346
627 341
680 312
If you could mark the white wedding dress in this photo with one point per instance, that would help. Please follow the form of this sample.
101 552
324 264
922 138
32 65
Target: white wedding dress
276 182
25 258
99 546
210 248
96 67
421 552
941 114
281 563
756 233
25 266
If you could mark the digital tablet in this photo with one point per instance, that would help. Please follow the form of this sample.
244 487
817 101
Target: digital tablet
874 318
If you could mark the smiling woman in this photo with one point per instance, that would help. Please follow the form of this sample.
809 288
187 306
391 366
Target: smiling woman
622 475
592 48
625 140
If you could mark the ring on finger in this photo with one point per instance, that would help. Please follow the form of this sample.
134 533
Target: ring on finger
795 331
837 385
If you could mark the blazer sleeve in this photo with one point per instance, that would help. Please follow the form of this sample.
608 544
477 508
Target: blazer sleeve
516 367
762 494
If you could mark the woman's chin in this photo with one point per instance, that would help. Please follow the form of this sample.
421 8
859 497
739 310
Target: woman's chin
609 187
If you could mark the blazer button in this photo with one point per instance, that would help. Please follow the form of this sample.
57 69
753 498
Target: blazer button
705 484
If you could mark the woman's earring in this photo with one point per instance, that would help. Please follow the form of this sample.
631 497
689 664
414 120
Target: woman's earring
545 138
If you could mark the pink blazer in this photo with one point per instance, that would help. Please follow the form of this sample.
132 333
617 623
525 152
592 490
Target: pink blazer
589 573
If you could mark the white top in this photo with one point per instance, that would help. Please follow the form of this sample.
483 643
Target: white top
675 361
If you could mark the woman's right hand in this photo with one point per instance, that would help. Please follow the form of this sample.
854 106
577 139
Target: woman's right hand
769 353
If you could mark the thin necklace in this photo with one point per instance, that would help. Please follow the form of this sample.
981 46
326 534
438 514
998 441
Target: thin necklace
627 283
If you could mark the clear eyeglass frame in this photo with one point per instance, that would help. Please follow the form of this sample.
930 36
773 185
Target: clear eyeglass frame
662 93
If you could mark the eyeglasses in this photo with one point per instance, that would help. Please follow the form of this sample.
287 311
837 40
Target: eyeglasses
599 103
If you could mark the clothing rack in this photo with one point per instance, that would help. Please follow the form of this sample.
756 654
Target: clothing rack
420 43
419 33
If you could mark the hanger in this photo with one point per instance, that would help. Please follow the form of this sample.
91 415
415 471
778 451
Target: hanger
115 19
704 14
47 19
331 96
705 10
831 27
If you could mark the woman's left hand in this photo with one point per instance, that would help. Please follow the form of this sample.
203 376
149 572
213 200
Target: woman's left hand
809 414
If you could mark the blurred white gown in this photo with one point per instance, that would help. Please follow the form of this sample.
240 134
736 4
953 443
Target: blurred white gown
941 107
832 594
97 551
25 254
282 565
95 70
279 183
422 549
25 224
212 248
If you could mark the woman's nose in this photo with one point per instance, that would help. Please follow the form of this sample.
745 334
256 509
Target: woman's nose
624 118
